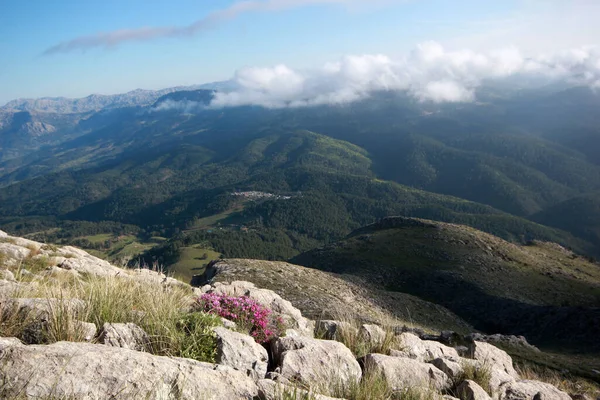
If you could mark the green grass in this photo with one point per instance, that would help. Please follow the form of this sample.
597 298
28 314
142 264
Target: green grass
192 261
100 238
121 248
213 220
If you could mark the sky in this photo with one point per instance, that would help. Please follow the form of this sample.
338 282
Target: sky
290 51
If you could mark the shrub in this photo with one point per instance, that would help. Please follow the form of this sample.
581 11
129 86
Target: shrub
248 314
196 338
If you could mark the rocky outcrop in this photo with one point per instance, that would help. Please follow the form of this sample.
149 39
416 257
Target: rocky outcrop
402 373
493 357
128 336
528 390
470 390
68 258
241 352
451 368
313 362
372 334
97 372
268 298
423 350
87 330
118 365
506 341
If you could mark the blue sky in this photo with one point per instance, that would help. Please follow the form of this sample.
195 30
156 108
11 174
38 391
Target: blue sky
298 33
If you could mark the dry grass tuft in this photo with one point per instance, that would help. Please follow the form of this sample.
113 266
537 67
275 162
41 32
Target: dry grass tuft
350 335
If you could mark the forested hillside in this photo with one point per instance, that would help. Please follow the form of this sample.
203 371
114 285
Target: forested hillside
171 170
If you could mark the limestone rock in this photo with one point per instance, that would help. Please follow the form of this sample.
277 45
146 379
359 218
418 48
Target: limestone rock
532 390
423 350
511 341
401 373
9 288
312 361
270 299
470 390
95 372
372 334
7 275
498 379
13 251
493 357
271 390
241 352
88 330
128 336
450 368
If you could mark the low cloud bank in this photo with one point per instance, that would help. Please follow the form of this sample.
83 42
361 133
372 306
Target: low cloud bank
428 73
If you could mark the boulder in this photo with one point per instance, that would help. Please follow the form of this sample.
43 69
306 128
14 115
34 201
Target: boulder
268 298
372 334
95 372
13 252
128 336
423 350
493 357
470 390
498 379
87 330
313 362
510 341
7 275
241 352
528 390
402 373
452 369
271 390
72 258
9 288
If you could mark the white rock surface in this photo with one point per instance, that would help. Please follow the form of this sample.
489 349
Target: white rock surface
450 368
313 361
241 352
128 336
493 357
402 373
423 350
532 390
372 334
470 390
98 372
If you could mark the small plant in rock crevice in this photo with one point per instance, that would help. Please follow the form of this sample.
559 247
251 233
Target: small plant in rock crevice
247 313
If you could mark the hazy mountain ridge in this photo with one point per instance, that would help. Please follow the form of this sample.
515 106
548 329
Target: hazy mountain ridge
97 102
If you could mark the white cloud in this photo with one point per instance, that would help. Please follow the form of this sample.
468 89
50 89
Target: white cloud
428 73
